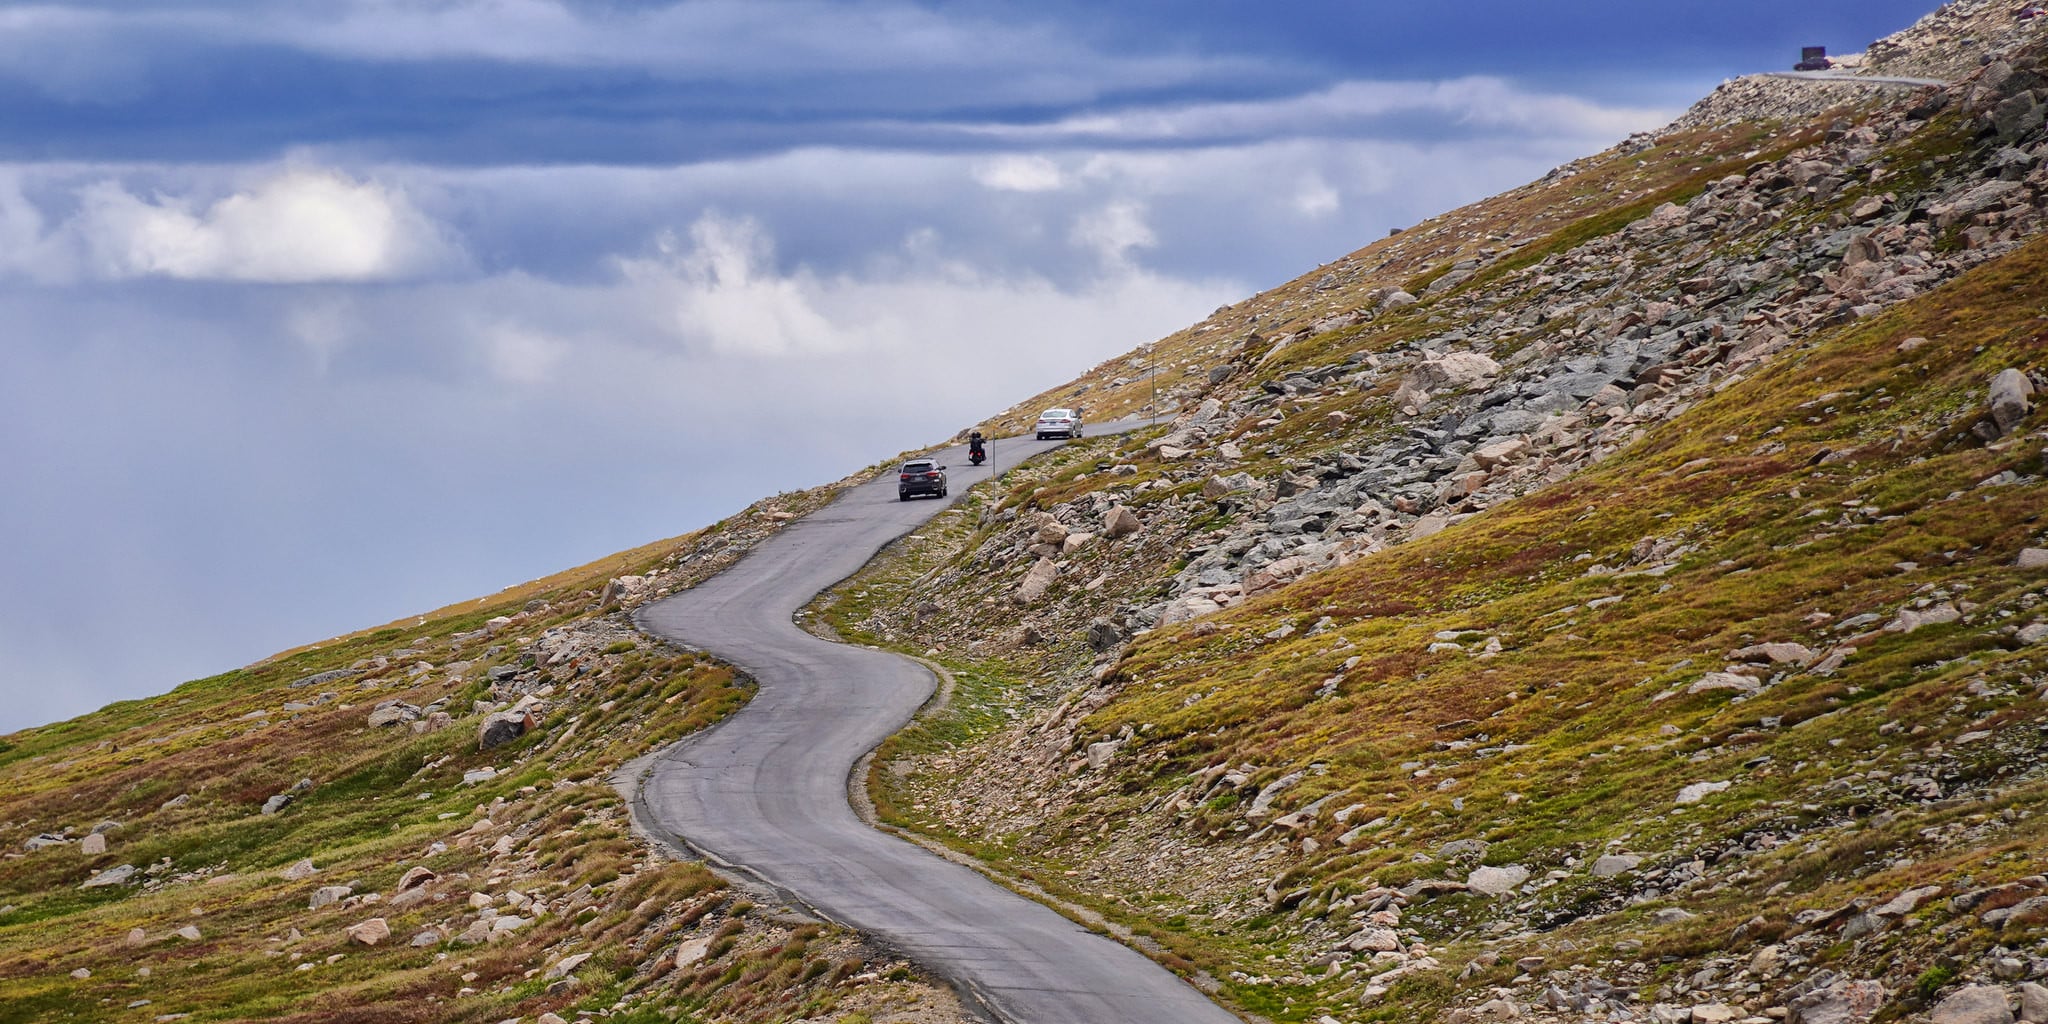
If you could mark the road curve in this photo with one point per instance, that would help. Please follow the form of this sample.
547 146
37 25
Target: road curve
765 792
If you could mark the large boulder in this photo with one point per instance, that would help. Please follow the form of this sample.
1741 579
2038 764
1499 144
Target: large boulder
1973 1004
1497 881
329 894
1120 522
1452 371
111 876
370 932
503 727
1104 635
393 712
1840 1001
1037 580
2012 398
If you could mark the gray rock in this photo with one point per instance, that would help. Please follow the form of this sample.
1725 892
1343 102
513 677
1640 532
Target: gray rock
1910 619
1725 681
2032 558
1776 653
276 803
329 894
393 712
2033 1003
2012 398
1103 635
190 933
1262 804
1099 754
1037 581
428 937
370 932
2016 116
564 966
1497 881
301 871
1120 522
1973 1004
112 876
501 728
1612 864
1839 1002
1373 940
93 845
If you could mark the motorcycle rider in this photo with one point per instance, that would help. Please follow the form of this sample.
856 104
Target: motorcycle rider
975 449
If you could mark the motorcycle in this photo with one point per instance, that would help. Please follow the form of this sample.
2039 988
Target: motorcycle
976 454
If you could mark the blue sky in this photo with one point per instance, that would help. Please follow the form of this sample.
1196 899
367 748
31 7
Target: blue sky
316 315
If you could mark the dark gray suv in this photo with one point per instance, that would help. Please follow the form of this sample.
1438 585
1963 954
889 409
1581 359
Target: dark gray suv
920 476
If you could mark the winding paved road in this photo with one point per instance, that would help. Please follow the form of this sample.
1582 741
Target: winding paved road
765 792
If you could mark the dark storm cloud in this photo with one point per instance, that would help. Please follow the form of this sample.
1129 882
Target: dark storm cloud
316 315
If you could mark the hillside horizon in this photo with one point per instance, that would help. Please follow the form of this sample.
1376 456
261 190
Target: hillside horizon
1622 598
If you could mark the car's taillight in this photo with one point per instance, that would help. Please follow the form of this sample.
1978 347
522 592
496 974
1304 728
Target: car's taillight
903 476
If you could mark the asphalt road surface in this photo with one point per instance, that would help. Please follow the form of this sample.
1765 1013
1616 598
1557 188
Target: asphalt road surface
764 793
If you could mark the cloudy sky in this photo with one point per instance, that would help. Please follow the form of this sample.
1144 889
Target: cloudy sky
314 315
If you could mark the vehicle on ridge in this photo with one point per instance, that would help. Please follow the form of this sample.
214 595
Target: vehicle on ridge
920 476
1059 423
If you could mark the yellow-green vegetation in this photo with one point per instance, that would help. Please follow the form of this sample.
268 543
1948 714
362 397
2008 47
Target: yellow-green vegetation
408 824
1703 703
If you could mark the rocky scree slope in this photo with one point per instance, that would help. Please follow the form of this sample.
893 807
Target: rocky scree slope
1634 615
414 823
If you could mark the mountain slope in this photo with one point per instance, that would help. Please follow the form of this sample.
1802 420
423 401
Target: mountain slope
1611 600
1650 595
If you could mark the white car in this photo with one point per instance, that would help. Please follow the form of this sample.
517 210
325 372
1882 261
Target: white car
1059 423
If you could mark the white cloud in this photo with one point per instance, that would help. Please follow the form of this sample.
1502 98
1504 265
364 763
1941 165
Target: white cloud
723 293
1020 174
1314 198
300 225
522 355
1113 231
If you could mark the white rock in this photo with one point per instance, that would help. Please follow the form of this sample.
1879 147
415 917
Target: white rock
1725 681
93 845
1699 791
301 871
1910 619
1908 901
1373 940
1497 881
693 950
567 964
2032 558
329 894
190 933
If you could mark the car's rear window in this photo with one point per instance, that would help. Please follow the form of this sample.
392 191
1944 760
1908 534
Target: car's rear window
917 467
1055 414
